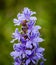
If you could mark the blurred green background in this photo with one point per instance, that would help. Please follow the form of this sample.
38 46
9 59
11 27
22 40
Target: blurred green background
46 14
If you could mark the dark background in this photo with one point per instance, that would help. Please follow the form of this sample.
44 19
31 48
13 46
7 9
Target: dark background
46 14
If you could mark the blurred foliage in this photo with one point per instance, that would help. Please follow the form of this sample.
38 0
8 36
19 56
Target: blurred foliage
46 14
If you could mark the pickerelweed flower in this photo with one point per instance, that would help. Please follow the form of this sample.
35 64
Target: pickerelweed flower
27 51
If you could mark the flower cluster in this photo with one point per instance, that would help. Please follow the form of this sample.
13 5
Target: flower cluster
27 51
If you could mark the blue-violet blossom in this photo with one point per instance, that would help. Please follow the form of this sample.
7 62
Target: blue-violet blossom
27 51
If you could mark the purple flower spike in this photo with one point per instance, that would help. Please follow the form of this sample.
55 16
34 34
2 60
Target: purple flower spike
27 50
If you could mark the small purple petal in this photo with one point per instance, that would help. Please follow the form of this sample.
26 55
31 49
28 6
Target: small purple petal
27 61
28 52
33 61
17 22
16 63
14 54
38 39
40 50
42 63
28 44
16 46
26 11
33 18
39 55
16 35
